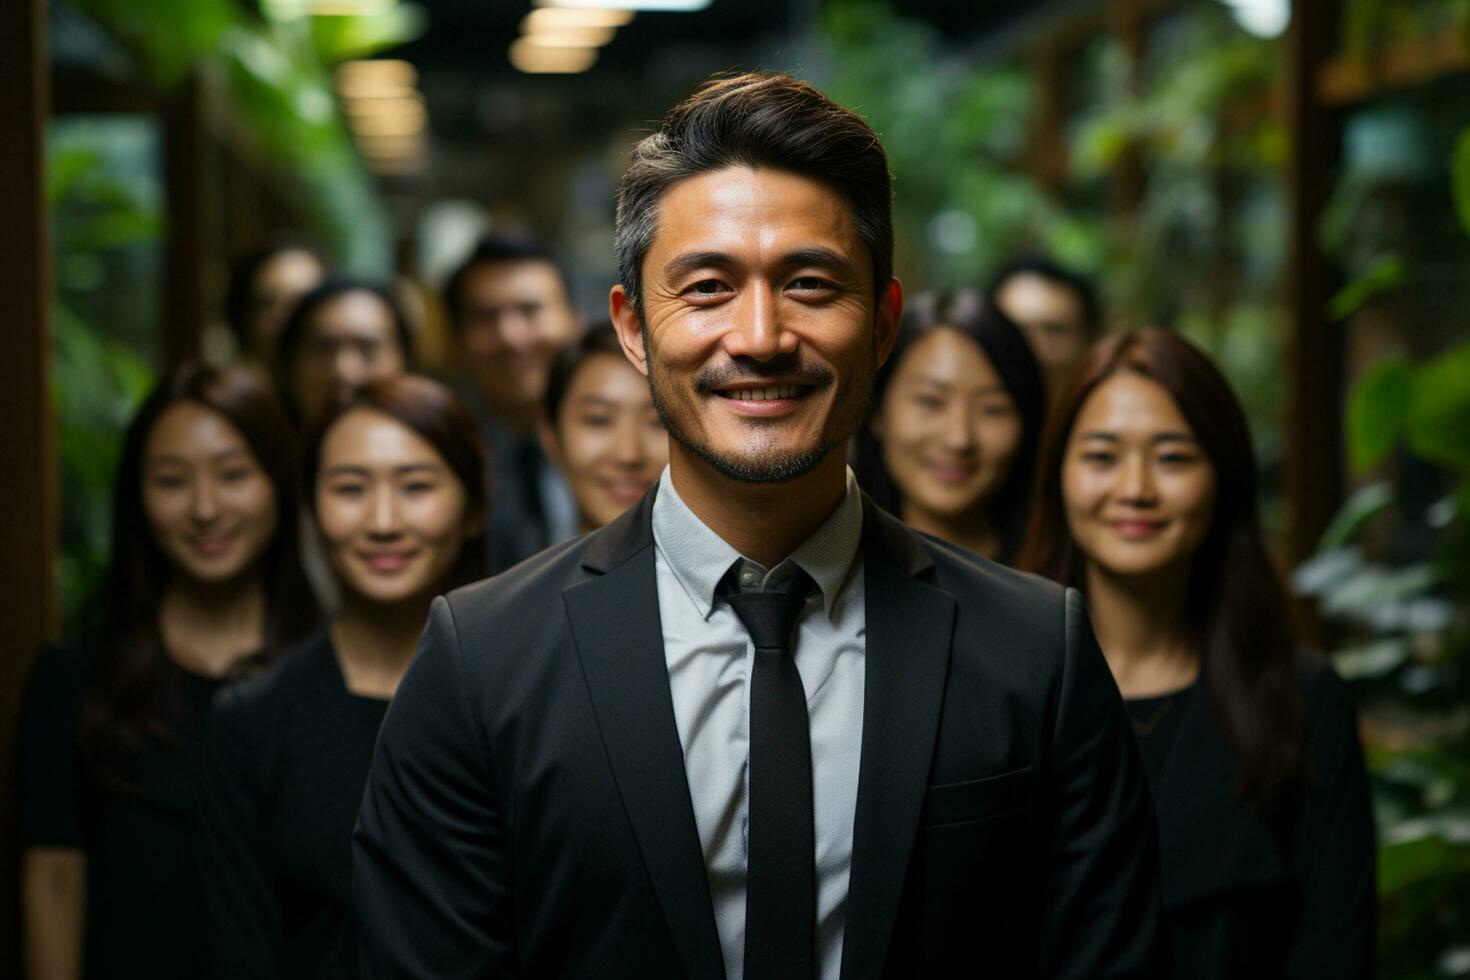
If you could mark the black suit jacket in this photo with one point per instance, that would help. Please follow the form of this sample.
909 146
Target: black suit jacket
528 813
1288 893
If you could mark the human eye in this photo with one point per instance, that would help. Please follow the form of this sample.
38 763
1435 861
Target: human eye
236 474
811 284
167 481
347 488
1177 458
1099 457
927 401
997 409
707 290
595 420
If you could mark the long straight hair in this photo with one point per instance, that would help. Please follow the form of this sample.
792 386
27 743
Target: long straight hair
1236 598
435 414
122 707
970 313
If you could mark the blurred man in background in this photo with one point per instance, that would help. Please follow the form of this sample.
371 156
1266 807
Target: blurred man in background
510 308
1056 308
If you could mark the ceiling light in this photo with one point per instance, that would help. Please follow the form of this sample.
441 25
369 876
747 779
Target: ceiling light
571 37
376 78
542 59
671 6
555 18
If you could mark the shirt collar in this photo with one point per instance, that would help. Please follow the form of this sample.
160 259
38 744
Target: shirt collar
699 557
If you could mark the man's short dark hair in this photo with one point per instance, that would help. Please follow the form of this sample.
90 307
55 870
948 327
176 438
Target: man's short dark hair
757 120
500 248
1054 272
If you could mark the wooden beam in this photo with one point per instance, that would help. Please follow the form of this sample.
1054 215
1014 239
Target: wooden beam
186 165
28 605
1314 457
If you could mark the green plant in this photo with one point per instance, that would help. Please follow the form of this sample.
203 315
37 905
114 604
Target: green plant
1405 643
955 133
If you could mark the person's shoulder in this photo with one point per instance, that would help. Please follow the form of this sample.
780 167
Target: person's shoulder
973 578
532 585
1331 709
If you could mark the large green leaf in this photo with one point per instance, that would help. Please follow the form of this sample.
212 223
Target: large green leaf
1438 423
1378 410
1422 852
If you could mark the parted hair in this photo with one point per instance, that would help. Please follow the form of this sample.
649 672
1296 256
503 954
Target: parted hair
1237 601
757 120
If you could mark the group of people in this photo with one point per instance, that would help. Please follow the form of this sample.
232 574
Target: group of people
758 684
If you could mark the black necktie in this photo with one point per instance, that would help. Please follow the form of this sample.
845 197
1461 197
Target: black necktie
780 880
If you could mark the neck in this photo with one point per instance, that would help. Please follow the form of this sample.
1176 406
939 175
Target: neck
1143 628
208 627
375 641
518 417
972 530
765 522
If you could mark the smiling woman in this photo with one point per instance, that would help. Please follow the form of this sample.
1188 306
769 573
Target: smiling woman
951 443
396 478
1148 503
203 584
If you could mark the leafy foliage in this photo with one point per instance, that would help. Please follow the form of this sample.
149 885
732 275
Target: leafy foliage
955 133
1406 644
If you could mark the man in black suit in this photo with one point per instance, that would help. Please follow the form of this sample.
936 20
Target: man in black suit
756 727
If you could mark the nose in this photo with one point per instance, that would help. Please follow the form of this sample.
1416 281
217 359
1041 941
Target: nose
518 331
959 429
383 521
206 501
350 366
757 331
628 445
1138 481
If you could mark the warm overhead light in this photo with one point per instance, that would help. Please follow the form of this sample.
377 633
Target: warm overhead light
287 10
375 78
675 6
541 59
570 37
395 105
556 18
406 123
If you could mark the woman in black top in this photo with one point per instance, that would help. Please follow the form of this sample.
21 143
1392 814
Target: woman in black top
950 446
1147 503
395 473
203 583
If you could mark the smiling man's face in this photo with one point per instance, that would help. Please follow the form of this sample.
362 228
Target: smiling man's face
761 330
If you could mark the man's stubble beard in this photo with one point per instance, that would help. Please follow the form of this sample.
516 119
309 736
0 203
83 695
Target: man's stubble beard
762 465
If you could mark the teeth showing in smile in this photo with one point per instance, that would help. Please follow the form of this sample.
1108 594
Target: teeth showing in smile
764 394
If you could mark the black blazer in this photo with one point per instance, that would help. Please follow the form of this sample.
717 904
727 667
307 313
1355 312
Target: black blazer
1290 894
527 813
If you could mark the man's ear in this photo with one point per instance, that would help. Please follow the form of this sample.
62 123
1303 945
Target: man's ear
629 327
886 319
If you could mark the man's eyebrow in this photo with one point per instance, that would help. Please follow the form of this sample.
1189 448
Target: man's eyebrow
682 265
819 256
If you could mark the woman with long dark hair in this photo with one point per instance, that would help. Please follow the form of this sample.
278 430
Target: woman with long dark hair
1147 502
204 584
395 474
957 412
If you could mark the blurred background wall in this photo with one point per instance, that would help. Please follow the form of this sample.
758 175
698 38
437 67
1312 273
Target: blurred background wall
1287 184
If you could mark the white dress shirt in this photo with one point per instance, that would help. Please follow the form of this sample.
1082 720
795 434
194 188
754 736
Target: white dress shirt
709 656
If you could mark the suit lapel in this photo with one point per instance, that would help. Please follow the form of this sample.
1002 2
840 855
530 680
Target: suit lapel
909 631
615 623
